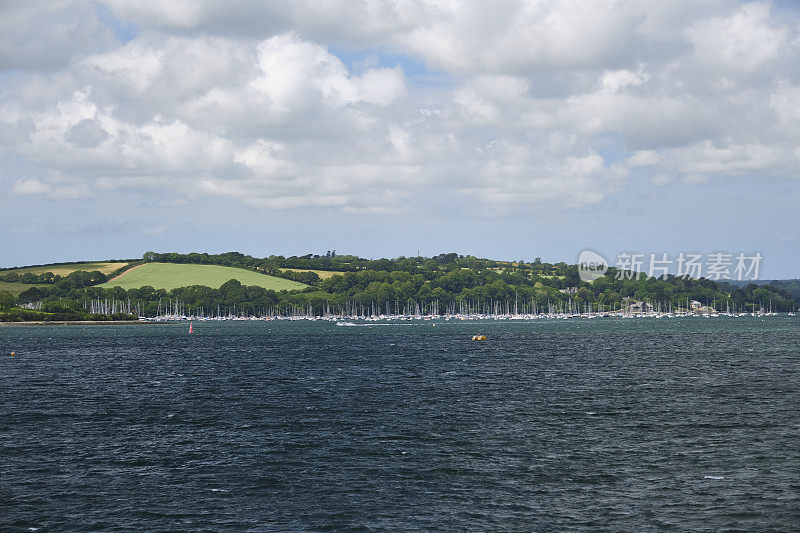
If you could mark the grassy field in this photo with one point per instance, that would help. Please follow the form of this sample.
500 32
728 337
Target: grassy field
170 276
323 274
17 288
63 270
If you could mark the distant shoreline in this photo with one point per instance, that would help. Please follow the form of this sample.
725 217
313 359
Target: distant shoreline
79 323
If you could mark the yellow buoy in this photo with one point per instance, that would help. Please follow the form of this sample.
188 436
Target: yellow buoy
13 354
479 337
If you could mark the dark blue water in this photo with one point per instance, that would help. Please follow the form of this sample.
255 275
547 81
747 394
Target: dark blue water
553 425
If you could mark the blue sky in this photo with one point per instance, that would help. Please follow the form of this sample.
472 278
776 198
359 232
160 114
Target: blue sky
532 129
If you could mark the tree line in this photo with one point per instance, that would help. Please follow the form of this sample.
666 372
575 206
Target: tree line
440 284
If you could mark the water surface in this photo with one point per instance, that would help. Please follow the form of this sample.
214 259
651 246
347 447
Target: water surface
641 424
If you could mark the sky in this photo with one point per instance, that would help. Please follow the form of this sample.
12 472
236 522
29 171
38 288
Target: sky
507 129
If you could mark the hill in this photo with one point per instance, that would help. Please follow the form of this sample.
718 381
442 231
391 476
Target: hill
323 274
791 285
18 288
170 276
64 269
17 280
446 283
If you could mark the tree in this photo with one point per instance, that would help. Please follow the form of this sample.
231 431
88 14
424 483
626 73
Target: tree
573 278
6 300
32 295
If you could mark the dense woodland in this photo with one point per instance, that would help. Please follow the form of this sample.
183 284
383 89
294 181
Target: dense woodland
408 285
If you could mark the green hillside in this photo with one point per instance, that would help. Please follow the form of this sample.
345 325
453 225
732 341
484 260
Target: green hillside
60 269
63 269
17 288
172 275
323 274
446 283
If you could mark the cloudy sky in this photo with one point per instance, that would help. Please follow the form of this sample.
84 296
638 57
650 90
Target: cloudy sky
507 129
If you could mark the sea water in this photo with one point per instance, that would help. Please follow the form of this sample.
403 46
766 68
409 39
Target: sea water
638 424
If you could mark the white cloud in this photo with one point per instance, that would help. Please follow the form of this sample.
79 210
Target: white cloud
644 158
134 65
253 104
745 41
55 189
707 159
521 37
294 71
615 80
29 186
263 158
176 13
48 34
354 23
